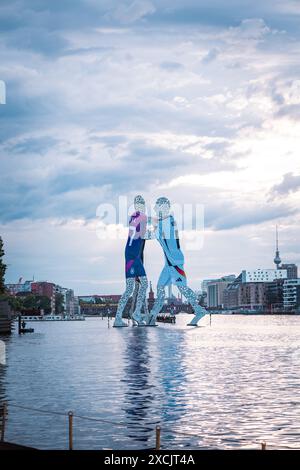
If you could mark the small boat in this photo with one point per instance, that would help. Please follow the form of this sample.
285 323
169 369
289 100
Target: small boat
166 318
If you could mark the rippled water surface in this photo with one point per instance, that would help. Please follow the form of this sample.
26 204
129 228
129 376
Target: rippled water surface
226 385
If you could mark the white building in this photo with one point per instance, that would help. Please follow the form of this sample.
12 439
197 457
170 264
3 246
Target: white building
70 302
215 290
205 282
264 275
215 293
291 293
20 286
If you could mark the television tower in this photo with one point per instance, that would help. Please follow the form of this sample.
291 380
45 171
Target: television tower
277 259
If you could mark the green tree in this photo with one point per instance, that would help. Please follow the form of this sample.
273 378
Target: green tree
59 303
30 302
2 268
16 303
44 303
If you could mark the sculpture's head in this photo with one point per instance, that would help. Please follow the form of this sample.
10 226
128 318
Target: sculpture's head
139 203
162 207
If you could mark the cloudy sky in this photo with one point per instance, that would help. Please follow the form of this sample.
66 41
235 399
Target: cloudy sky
195 100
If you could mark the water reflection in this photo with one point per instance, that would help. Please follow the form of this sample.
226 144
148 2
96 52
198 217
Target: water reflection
231 384
172 374
139 394
155 379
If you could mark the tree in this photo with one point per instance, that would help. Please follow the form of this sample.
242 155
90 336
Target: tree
2 268
14 302
44 303
59 303
30 303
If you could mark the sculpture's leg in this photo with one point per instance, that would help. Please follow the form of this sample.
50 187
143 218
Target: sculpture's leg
191 297
134 296
143 284
158 304
123 301
146 309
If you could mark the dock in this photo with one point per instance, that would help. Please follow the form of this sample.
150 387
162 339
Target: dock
22 327
5 317
10 446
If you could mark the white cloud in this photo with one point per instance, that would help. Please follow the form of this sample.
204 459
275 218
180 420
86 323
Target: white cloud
251 28
130 12
129 102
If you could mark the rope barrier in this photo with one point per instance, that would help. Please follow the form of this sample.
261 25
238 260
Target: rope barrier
161 426
60 413
38 410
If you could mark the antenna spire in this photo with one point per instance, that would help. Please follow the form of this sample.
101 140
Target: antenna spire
277 259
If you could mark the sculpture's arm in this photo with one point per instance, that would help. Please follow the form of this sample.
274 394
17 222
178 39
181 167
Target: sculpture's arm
149 235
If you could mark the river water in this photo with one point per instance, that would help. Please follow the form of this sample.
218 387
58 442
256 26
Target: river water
231 384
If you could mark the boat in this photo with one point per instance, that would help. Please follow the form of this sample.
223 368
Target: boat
166 318
41 318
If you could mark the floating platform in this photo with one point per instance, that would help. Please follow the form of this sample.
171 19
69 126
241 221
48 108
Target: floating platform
166 319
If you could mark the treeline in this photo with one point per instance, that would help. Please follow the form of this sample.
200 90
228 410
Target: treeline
28 304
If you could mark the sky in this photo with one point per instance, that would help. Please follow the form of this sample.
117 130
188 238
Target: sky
193 100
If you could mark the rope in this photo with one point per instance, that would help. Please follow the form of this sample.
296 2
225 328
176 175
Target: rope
60 413
163 428
38 410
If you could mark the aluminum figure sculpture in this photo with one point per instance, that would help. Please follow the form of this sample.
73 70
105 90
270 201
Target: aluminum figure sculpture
145 315
165 231
134 267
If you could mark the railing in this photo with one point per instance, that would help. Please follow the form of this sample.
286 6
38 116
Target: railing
157 432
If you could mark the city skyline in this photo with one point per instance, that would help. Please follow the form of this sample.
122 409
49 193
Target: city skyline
283 269
153 98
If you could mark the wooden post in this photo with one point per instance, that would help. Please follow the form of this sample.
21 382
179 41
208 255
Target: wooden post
70 414
19 324
157 441
263 445
3 421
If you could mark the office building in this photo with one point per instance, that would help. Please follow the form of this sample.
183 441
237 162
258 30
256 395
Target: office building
47 289
215 293
263 275
291 269
291 293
